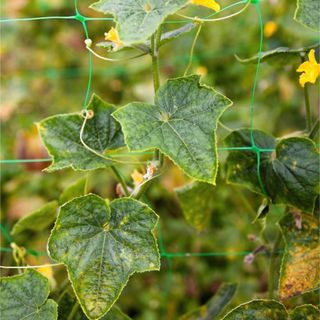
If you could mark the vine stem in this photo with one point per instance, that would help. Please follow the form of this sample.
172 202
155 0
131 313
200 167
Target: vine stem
121 180
155 45
74 311
273 264
307 106
314 130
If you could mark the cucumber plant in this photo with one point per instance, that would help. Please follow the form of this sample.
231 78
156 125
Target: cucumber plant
103 242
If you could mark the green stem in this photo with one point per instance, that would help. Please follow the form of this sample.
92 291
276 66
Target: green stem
192 50
121 180
272 265
74 311
314 130
155 45
307 106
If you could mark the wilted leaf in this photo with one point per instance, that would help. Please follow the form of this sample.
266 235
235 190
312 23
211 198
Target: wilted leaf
182 124
258 309
77 189
290 174
138 20
197 200
25 297
61 136
103 244
279 56
304 312
37 220
300 269
214 306
308 13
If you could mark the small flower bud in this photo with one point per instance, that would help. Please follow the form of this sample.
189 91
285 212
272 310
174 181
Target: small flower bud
88 43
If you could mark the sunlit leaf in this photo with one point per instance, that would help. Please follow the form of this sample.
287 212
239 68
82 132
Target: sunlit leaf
290 174
308 13
61 136
77 189
197 200
214 306
37 220
258 309
300 269
102 245
138 20
25 297
182 124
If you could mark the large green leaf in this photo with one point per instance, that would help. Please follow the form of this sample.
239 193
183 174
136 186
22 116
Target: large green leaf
308 13
258 310
305 312
214 306
103 244
76 189
182 124
37 220
197 200
61 136
290 174
300 269
138 20
279 56
25 297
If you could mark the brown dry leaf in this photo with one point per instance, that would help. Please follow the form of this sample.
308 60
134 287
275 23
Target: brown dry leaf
300 270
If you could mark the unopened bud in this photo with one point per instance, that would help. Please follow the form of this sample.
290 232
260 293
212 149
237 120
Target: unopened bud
88 43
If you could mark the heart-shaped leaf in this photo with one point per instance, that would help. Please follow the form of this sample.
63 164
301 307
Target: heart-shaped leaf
61 136
308 13
258 309
290 174
300 267
25 297
102 245
37 220
182 124
138 20
197 200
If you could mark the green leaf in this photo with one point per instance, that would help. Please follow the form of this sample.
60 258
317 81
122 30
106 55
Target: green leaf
290 174
68 300
300 267
138 20
197 201
176 33
308 13
279 56
61 136
102 245
25 297
182 124
77 189
307 311
37 220
214 306
258 309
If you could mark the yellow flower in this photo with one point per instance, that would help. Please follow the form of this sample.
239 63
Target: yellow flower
202 71
113 36
310 69
207 3
137 177
270 28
